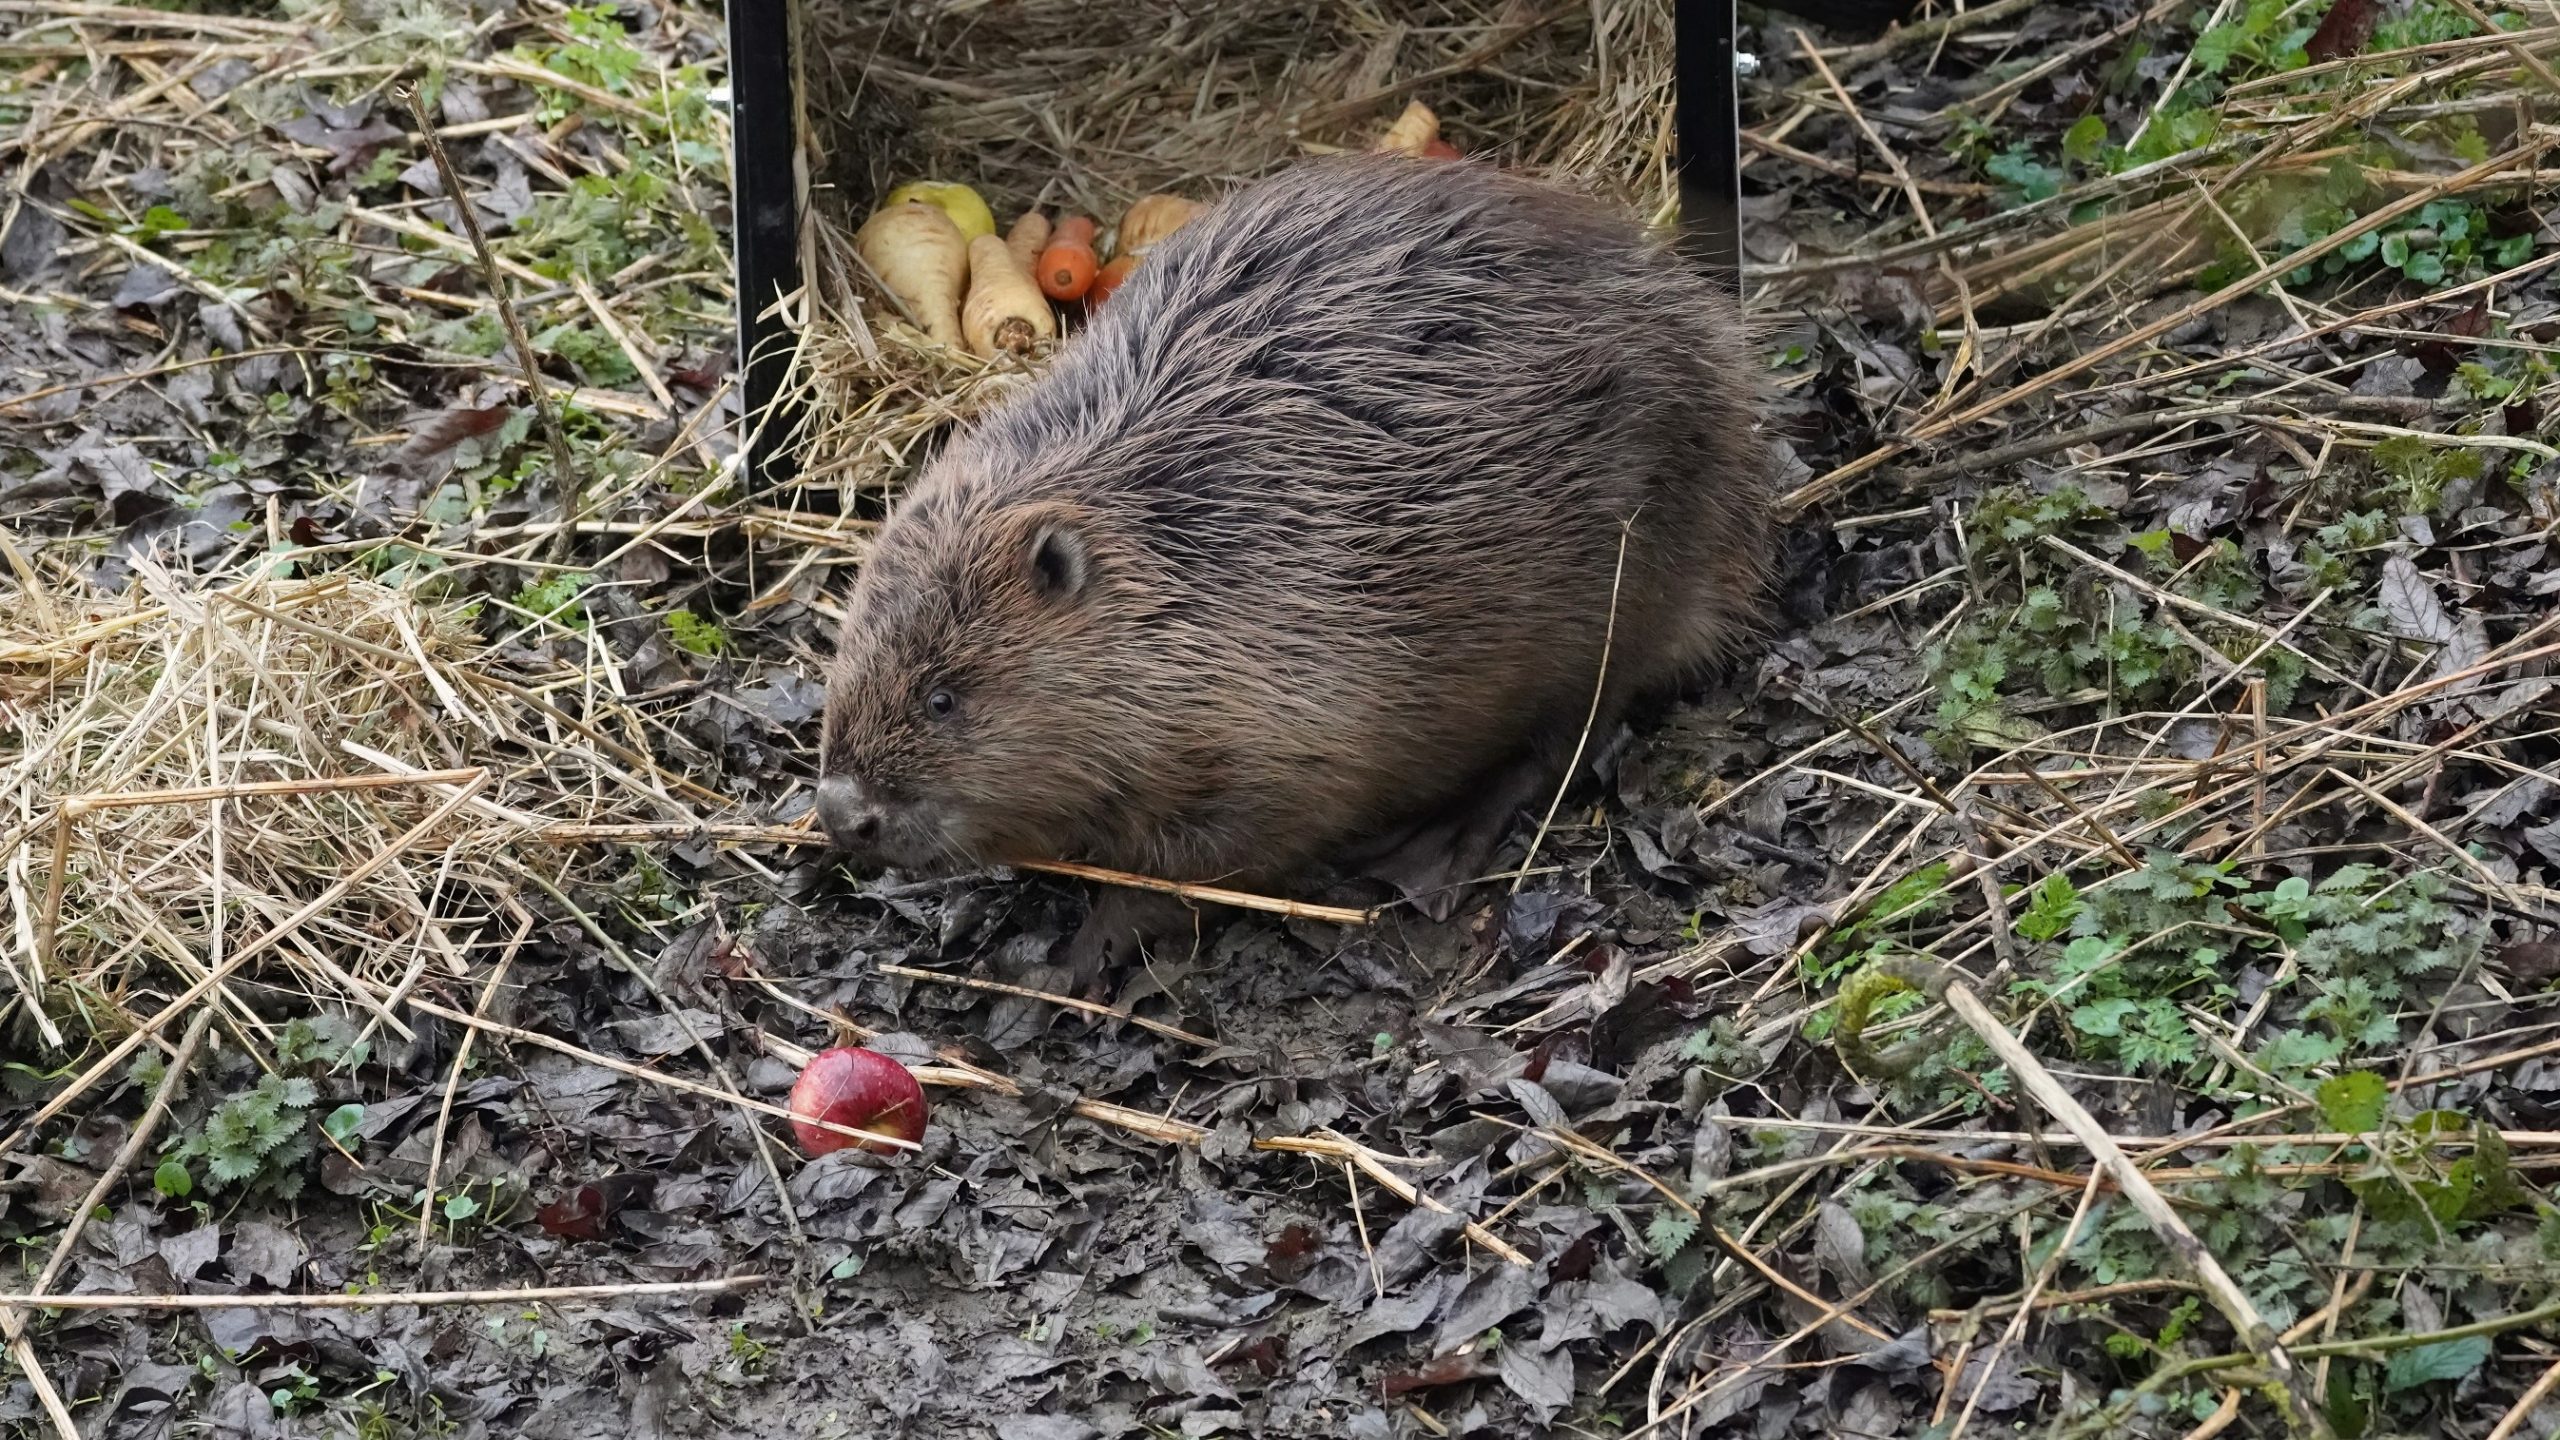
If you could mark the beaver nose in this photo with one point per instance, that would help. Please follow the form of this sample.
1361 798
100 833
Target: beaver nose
851 821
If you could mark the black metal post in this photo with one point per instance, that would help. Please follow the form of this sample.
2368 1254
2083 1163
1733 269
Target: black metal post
1706 109
763 162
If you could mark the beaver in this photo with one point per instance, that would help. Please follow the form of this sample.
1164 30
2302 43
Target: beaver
1380 487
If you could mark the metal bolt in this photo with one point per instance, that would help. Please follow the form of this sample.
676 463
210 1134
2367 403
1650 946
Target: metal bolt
1745 64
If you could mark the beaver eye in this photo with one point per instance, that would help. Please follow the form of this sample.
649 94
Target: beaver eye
940 704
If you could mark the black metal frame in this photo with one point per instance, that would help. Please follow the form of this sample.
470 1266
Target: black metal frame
765 164
1706 111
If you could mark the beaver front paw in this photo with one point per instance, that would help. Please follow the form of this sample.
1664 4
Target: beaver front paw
1122 925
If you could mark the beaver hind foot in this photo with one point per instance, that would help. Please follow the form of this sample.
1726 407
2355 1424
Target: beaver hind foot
1434 861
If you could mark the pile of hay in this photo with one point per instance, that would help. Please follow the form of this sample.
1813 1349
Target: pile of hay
280 794
1086 108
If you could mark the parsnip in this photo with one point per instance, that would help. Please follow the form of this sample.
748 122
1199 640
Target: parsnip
1414 130
1005 310
1028 237
1152 219
919 255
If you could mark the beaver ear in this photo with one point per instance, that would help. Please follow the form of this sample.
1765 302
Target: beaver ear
1058 556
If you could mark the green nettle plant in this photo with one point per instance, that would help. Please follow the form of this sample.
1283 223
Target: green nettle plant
260 1140
259 1137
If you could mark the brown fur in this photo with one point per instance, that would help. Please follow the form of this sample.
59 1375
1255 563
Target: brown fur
1309 541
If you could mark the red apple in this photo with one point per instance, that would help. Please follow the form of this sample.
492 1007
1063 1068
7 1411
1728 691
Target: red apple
861 1088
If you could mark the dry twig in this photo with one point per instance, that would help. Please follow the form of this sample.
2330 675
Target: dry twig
564 467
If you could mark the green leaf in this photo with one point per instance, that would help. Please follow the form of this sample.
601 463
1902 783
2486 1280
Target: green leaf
2177 130
1668 1231
2054 906
2033 178
2446 1199
2215 47
172 1180
2300 1050
2103 1017
459 1207
2496 1191
2086 954
1684 1270
692 632
2395 249
343 1122
275 1130
1912 896
2353 1102
2086 138
552 596
2174 1329
231 1166
157 221
2425 1364
232 1128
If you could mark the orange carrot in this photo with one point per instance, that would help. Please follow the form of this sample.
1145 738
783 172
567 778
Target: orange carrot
1108 279
1067 263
